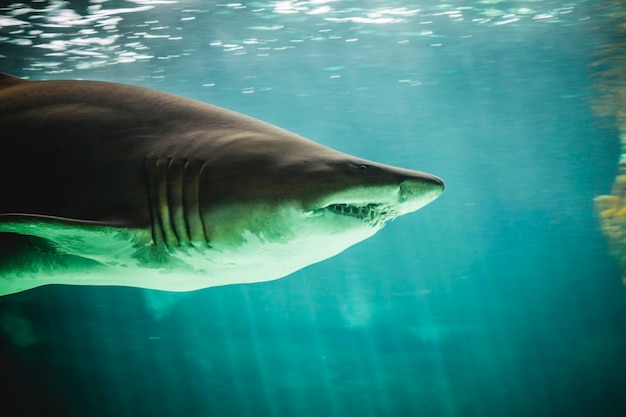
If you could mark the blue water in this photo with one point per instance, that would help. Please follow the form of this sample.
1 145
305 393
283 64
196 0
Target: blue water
498 299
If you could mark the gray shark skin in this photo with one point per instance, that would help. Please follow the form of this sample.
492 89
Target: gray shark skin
112 184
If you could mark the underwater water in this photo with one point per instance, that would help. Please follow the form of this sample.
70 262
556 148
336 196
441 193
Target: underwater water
498 299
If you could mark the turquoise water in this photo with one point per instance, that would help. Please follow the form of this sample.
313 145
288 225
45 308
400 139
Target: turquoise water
498 299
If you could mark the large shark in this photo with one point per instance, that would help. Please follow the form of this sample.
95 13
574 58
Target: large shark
112 184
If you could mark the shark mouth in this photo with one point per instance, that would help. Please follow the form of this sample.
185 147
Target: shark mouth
376 215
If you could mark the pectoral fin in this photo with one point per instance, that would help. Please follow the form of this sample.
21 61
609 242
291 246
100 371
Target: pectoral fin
99 241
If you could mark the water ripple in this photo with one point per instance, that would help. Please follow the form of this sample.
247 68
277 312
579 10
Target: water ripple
103 34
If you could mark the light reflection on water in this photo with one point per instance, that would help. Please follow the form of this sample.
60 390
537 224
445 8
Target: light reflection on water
107 33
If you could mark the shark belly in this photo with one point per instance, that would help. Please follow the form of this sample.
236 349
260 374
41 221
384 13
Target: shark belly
181 269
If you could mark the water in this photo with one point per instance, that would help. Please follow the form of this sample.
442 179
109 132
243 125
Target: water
499 299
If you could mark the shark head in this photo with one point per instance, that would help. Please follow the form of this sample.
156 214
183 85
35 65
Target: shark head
291 202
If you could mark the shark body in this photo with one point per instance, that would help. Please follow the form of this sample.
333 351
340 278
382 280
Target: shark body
112 184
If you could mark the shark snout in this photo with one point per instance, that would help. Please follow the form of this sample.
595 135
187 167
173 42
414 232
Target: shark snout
421 190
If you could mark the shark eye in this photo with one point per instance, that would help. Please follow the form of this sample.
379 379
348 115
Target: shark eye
361 168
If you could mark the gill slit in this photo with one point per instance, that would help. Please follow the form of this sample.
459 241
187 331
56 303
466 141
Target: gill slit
158 237
174 202
185 203
204 226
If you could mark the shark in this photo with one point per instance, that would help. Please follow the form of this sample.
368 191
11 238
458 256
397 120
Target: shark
112 184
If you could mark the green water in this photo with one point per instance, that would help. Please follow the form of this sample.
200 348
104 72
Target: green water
498 299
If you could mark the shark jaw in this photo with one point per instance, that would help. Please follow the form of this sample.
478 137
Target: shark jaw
275 241
373 214
377 205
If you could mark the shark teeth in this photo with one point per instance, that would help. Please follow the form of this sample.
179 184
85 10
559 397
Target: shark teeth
374 214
